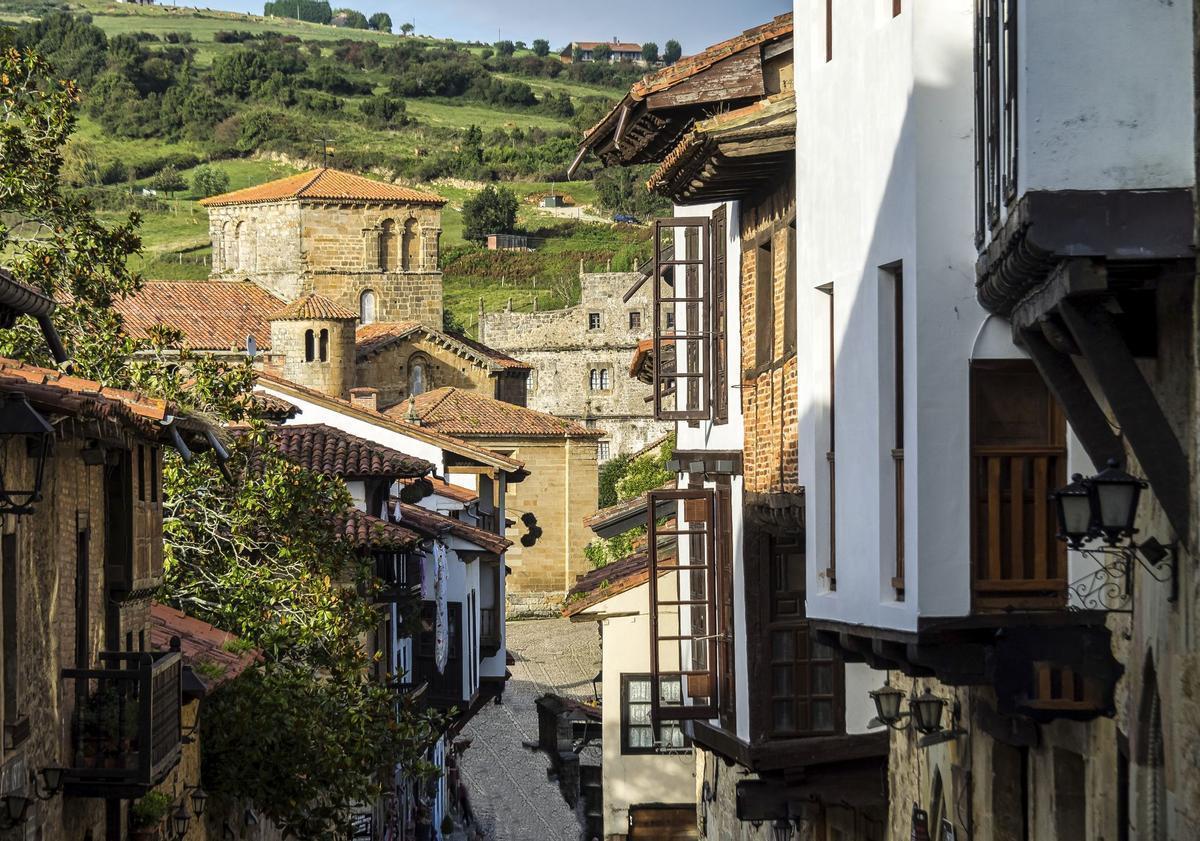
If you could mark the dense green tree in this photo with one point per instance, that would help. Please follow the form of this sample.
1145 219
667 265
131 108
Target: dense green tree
314 11
384 112
541 47
602 52
672 52
490 211
577 54
650 52
505 48
611 472
76 49
208 180
350 18
623 189
407 28
380 22
629 478
169 180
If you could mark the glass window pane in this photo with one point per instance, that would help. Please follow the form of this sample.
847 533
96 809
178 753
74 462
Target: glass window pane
639 714
671 690
672 736
782 647
822 715
641 737
639 690
822 678
781 680
782 716
821 652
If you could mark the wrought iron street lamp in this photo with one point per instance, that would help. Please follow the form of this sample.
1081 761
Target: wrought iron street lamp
199 800
926 710
180 820
1114 495
887 700
16 809
49 785
1074 506
17 417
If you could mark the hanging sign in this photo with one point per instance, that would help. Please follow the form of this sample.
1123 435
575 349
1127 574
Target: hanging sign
920 824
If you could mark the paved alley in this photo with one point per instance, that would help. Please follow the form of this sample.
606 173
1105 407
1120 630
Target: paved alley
507 782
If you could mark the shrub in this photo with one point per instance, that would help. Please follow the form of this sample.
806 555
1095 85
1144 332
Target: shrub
150 809
490 211
168 180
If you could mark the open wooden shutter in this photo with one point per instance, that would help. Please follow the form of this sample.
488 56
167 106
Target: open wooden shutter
682 319
683 606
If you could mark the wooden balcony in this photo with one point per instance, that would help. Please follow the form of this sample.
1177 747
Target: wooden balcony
126 733
1017 562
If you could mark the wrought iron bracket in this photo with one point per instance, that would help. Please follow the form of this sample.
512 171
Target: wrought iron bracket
1111 587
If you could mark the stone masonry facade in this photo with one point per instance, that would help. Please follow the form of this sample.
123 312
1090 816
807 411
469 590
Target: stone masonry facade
294 247
565 346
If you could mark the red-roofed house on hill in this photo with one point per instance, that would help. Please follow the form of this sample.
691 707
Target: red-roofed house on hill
617 51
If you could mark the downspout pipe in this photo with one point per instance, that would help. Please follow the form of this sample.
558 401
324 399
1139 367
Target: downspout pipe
16 299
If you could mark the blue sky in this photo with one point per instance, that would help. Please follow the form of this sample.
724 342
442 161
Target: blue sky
693 23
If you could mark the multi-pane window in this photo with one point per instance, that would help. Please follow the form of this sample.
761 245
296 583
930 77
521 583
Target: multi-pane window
599 379
805 675
605 379
593 321
637 726
594 379
997 68
602 451
635 320
682 319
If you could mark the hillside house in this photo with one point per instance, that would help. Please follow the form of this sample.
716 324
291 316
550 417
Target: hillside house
618 51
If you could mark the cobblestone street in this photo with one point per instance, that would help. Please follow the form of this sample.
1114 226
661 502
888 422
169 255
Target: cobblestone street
507 781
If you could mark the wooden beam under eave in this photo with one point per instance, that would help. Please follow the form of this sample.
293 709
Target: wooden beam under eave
1135 406
1084 414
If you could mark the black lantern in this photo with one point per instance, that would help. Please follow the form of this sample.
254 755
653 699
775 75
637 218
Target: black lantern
1074 504
180 820
887 700
50 784
16 807
17 417
199 801
1114 496
781 829
926 710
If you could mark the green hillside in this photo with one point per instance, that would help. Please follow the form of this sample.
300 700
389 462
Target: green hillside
167 90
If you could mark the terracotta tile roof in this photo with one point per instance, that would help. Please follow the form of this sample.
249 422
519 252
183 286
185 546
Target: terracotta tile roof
368 533
313 308
433 524
324 449
57 392
345 407
607 581
372 338
588 46
272 408
630 509
212 315
459 412
451 491
326 185
200 643
687 67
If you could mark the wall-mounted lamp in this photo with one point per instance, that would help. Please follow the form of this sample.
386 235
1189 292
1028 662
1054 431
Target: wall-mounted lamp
180 819
199 799
15 810
17 417
924 714
781 829
49 785
1105 507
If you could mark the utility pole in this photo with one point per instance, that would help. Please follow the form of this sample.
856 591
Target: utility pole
325 152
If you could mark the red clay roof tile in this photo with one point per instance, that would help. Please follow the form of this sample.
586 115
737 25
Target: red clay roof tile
313 308
324 449
328 185
468 413
212 315
200 643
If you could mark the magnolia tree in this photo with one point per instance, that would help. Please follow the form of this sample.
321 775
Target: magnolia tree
250 546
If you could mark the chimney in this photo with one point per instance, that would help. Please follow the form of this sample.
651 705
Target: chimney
365 398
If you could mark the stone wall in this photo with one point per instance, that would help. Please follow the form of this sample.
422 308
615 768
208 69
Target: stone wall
293 248
564 349
389 370
333 375
561 490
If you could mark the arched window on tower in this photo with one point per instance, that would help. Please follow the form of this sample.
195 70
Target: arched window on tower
410 247
324 346
366 307
309 349
387 246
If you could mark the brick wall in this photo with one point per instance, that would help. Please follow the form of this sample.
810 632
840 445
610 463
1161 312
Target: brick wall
770 397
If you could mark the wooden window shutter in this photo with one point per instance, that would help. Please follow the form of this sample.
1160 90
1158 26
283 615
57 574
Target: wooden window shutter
682 319
683 606
720 298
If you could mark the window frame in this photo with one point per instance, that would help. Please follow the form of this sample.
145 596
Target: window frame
656 749
702 335
595 322
635 319
718 234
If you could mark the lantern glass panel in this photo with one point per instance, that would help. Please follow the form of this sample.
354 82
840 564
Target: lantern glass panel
1117 503
887 703
927 712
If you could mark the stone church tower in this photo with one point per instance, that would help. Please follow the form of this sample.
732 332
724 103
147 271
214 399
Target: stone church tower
368 246
314 339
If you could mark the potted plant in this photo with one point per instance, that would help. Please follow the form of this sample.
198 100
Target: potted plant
147 814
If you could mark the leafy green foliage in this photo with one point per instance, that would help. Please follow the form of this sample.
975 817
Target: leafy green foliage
650 52
150 809
490 211
314 11
350 18
672 52
505 48
209 181
541 47
623 189
602 52
610 473
630 479
407 28
169 181
380 22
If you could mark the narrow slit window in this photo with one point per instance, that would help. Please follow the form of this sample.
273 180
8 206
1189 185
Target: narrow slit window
829 30
310 350
764 305
324 345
